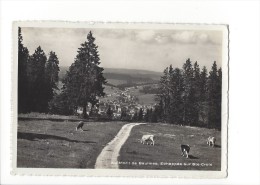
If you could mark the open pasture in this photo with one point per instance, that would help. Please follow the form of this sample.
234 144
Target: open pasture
166 153
54 144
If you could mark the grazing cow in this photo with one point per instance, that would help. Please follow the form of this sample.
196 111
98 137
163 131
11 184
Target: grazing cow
185 149
80 125
147 138
211 141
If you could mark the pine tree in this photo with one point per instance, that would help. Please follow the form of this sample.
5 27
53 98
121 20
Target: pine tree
51 75
97 71
23 57
213 97
140 115
60 105
177 105
164 94
189 94
196 90
147 115
84 80
109 112
36 81
171 87
151 112
52 69
154 117
219 99
203 84
203 105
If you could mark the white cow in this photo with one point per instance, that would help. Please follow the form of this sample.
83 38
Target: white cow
211 141
146 138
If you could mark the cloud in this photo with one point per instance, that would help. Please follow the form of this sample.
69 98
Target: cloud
162 39
185 36
203 38
198 37
111 33
146 35
162 36
124 48
180 37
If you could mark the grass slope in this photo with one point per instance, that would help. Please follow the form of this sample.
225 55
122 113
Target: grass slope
49 144
166 153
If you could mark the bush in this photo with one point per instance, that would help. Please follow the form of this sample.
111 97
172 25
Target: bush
60 105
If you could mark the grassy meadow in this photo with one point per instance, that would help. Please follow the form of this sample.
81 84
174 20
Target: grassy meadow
56 144
166 153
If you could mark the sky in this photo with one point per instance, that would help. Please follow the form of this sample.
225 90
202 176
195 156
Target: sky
145 49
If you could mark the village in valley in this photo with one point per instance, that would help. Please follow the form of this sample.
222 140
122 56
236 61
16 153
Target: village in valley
123 103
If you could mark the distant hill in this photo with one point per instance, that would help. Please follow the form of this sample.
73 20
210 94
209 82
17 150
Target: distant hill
135 72
125 77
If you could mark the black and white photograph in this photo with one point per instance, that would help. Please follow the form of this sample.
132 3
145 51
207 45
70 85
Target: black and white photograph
129 92
136 96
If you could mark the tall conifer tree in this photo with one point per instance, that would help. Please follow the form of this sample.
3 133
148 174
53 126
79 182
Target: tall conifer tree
219 99
163 94
84 80
51 75
196 90
23 57
189 94
203 106
213 97
36 81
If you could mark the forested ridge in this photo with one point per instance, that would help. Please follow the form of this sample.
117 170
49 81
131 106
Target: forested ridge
191 96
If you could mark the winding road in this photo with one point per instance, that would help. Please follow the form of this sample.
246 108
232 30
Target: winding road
108 156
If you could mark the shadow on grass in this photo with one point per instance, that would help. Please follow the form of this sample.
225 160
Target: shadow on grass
137 153
33 136
217 146
192 157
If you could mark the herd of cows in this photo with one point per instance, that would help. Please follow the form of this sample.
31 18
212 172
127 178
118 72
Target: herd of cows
185 149
149 140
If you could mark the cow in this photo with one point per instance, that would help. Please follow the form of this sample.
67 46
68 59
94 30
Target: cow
80 125
146 138
211 141
185 149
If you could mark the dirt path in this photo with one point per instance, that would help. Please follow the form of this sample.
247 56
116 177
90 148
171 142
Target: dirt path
108 156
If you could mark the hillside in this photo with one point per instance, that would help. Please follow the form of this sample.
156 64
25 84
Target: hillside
135 73
124 77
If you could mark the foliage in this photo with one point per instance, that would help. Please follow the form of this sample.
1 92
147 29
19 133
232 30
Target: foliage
188 96
109 112
140 114
214 97
60 105
37 78
84 81
38 90
23 57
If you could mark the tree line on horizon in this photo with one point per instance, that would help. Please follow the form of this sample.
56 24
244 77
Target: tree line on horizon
190 96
